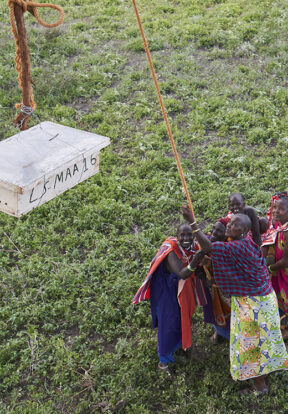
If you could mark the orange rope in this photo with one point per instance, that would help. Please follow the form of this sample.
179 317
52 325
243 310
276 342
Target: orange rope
27 5
163 110
22 58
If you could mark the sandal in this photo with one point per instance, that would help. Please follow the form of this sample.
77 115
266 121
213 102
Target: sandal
164 368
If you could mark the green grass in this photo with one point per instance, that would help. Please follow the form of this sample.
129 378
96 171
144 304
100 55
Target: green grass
71 342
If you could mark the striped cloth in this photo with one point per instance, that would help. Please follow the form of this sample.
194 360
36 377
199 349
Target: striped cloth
240 268
272 233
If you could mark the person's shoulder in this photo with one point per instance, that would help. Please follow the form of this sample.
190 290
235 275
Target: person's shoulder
170 241
219 245
243 244
250 247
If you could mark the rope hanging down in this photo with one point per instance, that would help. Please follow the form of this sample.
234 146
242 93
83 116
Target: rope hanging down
17 8
163 110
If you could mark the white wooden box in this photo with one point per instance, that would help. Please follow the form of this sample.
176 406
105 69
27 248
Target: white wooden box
42 162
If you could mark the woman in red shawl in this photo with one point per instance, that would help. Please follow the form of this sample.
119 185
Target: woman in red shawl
173 291
278 237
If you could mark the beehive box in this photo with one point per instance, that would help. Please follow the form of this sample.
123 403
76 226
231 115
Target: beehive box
42 162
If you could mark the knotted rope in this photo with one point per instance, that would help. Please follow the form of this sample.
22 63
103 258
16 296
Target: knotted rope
17 8
163 110
32 7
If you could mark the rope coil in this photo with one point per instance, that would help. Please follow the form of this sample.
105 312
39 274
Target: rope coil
51 6
17 8
32 7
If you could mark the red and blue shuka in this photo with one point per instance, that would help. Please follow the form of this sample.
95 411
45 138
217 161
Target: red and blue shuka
173 300
239 268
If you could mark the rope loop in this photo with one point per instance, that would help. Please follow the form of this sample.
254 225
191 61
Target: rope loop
22 58
24 4
48 5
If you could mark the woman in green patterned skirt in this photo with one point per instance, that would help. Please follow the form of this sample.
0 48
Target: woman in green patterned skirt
239 269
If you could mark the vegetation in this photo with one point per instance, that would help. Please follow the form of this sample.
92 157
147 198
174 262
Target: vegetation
71 342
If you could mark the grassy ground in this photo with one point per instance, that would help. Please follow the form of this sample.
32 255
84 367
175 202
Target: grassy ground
71 342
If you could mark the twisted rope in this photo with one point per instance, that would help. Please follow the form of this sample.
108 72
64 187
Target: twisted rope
22 59
32 7
163 109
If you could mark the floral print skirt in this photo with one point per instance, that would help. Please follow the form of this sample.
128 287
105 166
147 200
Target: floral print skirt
256 344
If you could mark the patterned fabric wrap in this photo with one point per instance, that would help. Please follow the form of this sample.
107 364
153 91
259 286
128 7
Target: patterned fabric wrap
256 344
143 292
218 308
169 245
171 308
276 240
240 268
280 277
272 233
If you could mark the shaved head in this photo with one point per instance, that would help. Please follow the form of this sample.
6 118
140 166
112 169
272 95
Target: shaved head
236 195
236 203
183 226
185 236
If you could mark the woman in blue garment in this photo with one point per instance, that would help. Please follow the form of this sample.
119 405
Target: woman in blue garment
175 261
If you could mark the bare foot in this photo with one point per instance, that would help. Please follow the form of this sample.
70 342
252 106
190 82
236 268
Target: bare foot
259 387
284 333
260 384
